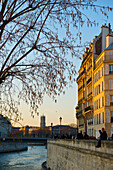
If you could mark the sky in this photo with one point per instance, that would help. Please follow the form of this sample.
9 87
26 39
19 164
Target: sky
65 106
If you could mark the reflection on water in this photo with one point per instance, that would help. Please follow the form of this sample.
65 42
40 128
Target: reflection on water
26 160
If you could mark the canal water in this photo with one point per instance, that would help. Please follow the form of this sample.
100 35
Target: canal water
25 160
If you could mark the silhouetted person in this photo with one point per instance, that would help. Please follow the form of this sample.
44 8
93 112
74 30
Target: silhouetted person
103 136
80 135
85 136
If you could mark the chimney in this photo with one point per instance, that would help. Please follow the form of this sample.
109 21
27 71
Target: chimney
109 40
105 32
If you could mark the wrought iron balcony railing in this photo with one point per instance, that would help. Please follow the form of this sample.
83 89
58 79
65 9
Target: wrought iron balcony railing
89 108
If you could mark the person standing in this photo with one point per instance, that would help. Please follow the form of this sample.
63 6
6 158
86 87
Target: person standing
103 136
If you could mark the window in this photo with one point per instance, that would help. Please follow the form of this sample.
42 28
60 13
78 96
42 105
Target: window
94 105
83 94
102 71
83 83
99 74
112 117
102 86
110 69
111 84
81 122
99 118
94 120
99 88
102 101
111 100
102 117
99 103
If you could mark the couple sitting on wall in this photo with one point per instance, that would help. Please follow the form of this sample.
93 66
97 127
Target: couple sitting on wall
103 136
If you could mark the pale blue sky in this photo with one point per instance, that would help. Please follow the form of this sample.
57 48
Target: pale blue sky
66 103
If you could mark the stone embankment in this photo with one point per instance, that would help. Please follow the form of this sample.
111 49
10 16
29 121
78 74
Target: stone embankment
79 155
12 146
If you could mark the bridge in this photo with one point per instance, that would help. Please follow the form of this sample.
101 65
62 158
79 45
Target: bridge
29 140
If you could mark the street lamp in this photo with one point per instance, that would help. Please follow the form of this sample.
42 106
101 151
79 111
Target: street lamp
52 130
60 124
60 120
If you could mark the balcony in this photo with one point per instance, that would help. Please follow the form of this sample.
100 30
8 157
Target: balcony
89 108
81 125
79 113
80 101
89 80
81 74
89 67
80 88
90 94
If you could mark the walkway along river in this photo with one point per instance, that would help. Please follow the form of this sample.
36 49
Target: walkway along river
25 160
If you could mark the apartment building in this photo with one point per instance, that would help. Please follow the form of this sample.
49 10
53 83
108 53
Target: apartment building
95 85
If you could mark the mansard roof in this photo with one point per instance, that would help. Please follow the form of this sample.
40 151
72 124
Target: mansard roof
110 47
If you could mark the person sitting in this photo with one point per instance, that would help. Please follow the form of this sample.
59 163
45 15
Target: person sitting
103 136
85 136
80 135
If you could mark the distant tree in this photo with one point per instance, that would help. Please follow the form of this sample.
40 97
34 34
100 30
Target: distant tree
33 57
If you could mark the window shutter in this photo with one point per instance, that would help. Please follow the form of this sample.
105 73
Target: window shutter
107 69
110 84
101 72
101 102
101 118
108 117
100 87
108 100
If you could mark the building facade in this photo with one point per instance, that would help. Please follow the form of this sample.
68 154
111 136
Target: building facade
42 121
95 85
5 126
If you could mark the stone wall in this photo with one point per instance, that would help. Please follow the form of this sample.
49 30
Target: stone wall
79 155
12 146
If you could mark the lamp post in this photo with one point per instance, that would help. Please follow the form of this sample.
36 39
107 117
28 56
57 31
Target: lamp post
52 130
60 124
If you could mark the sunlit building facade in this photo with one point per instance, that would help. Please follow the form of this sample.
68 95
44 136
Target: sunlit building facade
95 85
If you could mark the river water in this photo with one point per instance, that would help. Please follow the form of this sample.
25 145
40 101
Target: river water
25 160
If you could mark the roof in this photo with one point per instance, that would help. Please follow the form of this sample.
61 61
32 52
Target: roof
110 47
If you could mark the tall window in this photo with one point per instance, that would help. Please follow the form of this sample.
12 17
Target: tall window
112 117
102 86
102 101
111 100
102 71
99 88
83 94
83 83
110 69
102 117
99 103
99 118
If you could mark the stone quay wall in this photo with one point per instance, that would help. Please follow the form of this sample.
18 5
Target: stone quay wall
12 146
79 155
